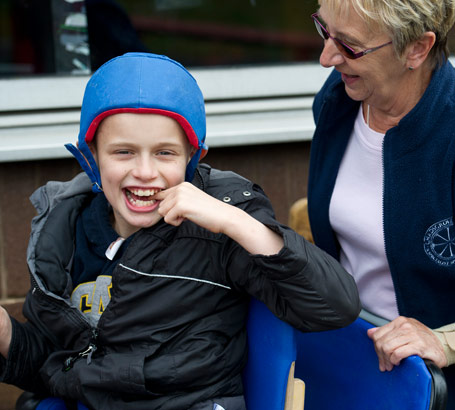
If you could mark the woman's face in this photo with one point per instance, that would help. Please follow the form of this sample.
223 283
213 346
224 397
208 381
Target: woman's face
374 78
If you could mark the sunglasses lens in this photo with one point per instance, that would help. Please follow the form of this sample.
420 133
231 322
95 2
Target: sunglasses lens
344 49
321 30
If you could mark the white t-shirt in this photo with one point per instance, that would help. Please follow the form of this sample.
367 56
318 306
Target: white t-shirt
356 215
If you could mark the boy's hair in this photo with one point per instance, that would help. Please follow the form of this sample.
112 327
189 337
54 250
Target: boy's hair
140 83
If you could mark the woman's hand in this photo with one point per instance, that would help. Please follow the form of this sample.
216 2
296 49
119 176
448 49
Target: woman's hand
5 332
404 337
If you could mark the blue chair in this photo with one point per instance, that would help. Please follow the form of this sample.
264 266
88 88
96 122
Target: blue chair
340 371
28 401
53 403
268 377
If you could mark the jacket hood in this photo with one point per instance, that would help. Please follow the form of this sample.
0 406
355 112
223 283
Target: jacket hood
140 83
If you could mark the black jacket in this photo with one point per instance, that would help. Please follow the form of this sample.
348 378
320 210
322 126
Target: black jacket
173 333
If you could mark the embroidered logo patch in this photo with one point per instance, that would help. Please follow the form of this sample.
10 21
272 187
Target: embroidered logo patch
439 242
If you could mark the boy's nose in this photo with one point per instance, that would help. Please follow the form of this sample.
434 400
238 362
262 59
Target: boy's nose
330 55
145 169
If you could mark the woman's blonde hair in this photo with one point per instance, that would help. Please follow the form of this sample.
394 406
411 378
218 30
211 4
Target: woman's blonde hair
405 21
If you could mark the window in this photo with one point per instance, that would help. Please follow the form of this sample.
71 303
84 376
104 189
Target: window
212 32
74 36
43 37
255 61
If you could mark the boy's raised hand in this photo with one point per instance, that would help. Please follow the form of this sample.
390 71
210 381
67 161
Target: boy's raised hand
185 201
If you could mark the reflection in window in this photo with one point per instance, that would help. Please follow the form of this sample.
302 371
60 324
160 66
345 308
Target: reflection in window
76 36
211 32
50 36
70 35
43 36
26 37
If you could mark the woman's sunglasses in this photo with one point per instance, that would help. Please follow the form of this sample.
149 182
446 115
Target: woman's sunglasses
347 51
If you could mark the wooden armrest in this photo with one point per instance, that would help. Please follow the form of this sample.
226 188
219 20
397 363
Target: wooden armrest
295 392
299 220
299 395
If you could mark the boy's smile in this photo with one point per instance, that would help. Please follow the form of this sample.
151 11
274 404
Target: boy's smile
138 156
140 199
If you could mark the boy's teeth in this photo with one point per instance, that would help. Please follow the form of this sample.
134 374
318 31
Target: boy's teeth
141 192
144 192
142 203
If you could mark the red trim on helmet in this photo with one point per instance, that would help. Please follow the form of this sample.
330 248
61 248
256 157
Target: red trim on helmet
203 153
192 137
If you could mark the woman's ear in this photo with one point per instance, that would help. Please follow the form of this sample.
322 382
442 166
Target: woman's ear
418 51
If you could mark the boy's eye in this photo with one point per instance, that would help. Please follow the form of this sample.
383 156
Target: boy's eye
123 152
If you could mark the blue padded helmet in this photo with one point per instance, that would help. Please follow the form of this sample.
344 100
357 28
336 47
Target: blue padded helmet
141 83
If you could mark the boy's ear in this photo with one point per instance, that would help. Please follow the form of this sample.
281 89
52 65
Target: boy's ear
193 151
418 51
92 147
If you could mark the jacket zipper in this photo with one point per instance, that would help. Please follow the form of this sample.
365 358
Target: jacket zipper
383 222
92 346
87 352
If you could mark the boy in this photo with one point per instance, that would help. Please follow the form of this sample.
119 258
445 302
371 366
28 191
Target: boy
140 290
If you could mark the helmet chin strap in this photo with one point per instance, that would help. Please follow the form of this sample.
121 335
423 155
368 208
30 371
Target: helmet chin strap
88 164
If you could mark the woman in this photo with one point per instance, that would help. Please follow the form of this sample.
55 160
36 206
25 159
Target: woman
381 188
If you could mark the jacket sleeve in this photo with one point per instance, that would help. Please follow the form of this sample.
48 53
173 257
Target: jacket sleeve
302 284
28 350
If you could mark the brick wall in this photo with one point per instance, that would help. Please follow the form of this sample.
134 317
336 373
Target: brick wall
281 170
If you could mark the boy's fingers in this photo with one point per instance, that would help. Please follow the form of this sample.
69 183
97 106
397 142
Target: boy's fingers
162 194
176 221
165 206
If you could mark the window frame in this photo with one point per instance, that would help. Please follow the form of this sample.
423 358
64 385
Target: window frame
245 106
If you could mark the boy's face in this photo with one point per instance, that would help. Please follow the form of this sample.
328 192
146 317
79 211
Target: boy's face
139 155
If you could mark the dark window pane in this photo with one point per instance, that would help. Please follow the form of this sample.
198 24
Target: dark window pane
72 36
205 32
26 37
43 37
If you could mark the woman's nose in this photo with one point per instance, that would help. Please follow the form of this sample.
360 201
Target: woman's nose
330 55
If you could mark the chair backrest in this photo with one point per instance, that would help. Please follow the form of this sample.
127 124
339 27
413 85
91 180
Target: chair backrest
271 353
340 367
340 370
